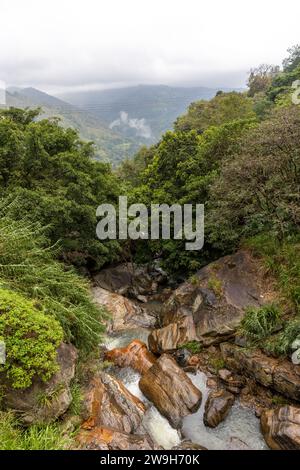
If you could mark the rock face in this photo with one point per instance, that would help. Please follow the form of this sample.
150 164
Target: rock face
109 404
45 402
131 280
170 389
125 313
281 428
135 355
279 374
211 307
217 407
101 438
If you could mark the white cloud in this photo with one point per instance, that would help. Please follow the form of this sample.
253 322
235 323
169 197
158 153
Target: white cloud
141 127
59 44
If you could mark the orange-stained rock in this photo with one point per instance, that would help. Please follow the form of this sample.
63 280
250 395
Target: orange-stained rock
135 355
101 438
281 428
171 390
108 403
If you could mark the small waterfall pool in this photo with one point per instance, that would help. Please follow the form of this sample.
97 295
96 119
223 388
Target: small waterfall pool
239 431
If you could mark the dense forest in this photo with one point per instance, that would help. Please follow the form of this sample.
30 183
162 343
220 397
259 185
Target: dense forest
238 153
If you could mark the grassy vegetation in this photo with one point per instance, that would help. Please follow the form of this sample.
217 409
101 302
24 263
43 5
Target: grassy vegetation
14 437
27 265
258 323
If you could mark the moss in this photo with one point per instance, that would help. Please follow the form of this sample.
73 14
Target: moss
215 285
193 346
217 363
31 339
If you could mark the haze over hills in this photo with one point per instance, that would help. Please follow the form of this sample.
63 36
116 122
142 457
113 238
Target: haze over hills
118 121
141 112
110 145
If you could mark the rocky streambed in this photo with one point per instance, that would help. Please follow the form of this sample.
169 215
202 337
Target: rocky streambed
180 367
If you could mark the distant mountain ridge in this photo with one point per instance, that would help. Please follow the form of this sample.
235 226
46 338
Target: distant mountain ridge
110 145
142 112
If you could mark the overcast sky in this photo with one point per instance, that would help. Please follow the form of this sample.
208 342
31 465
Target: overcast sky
61 45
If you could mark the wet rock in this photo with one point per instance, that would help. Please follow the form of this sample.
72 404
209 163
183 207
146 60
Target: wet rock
188 445
233 381
182 357
281 428
172 336
101 438
108 403
279 374
131 280
210 308
170 390
45 402
125 313
135 355
217 407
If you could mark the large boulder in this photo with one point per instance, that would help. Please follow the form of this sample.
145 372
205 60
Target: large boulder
170 390
281 428
211 306
135 355
101 438
279 374
108 403
131 280
125 313
44 402
217 407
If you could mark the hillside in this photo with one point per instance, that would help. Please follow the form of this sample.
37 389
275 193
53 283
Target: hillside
110 145
141 112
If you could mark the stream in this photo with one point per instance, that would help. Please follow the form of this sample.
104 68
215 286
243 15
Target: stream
239 431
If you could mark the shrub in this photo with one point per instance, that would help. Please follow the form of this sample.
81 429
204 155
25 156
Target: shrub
31 339
27 265
260 322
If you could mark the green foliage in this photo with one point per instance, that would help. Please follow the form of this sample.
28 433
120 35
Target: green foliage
14 437
77 399
193 346
282 259
258 323
281 344
224 107
27 265
31 339
58 183
215 284
258 189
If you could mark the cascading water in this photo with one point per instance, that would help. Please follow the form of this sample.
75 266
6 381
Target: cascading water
240 430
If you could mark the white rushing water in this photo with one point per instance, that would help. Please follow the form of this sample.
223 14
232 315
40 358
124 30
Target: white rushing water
240 430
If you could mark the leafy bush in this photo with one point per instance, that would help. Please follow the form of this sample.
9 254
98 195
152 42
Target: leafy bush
31 339
27 265
14 437
258 323
58 182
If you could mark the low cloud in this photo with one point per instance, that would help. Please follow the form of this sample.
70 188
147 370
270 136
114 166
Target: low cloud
142 128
